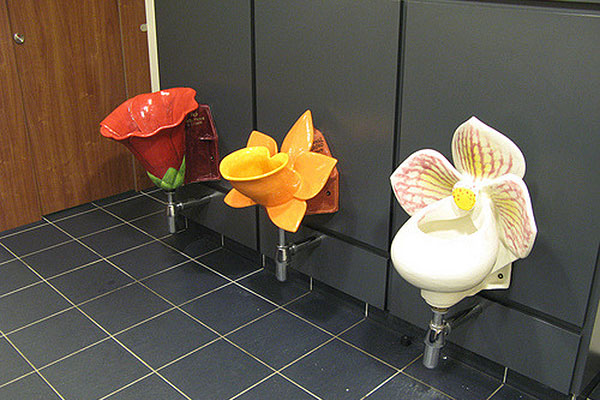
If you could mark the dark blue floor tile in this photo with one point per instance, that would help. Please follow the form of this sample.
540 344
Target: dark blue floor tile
338 371
192 242
60 259
35 239
117 197
148 259
276 387
69 212
229 263
165 338
401 387
91 281
155 225
88 223
125 307
56 337
13 365
279 338
29 305
228 308
5 255
184 282
510 393
31 387
328 311
94 372
455 379
14 275
384 343
217 371
148 388
265 284
116 240
135 207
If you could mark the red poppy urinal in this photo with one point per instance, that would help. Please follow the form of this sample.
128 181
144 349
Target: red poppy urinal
169 133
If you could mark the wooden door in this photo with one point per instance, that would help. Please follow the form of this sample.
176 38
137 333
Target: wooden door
18 189
72 76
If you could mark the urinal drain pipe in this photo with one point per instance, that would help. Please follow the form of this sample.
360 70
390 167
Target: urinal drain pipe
174 209
439 328
285 251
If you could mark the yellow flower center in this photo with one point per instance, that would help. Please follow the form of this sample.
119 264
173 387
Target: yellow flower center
464 198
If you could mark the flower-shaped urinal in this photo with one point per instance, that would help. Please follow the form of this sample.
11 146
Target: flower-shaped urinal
153 127
469 223
281 182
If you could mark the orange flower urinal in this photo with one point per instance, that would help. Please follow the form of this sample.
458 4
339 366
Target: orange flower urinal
281 182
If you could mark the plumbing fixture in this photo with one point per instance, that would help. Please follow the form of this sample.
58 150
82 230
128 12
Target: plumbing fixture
285 251
440 327
174 218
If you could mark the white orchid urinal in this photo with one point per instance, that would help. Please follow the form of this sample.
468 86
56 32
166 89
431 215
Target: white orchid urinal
469 223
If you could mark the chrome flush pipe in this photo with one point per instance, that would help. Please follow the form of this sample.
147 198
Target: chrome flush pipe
175 208
285 251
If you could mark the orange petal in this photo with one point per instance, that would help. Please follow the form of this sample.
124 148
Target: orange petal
237 200
300 137
314 169
288 216
260 139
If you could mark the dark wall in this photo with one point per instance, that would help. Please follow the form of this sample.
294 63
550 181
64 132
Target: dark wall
384 78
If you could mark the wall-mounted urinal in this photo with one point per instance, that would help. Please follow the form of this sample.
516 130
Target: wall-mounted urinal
173 138
301 179
283 182
469 223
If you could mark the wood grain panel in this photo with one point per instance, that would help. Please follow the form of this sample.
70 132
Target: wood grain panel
137 65
71 67
18 198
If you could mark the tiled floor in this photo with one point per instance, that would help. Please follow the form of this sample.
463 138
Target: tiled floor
100 302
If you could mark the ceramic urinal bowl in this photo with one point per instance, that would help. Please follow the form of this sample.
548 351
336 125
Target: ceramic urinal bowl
469 223
282 182
155 128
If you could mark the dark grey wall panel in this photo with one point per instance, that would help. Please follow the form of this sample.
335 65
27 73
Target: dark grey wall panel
338 58
527 345
348 268
532 73
206 45
236 224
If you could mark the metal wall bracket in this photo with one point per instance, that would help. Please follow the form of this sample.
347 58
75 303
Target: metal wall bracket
174 218
286 251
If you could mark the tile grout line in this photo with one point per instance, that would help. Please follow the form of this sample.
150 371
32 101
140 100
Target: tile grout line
153 198
411 362
495 391
376 388
127 386
18 378
252 386
93 320
31 365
